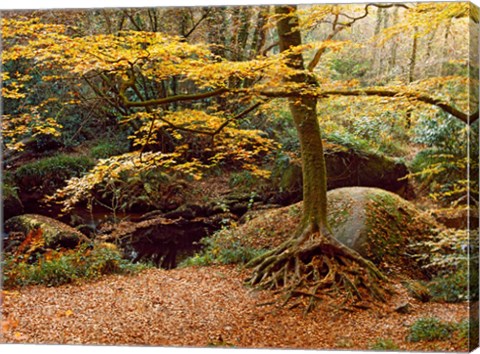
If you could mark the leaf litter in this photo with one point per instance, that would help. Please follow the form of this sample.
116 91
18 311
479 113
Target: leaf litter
205 306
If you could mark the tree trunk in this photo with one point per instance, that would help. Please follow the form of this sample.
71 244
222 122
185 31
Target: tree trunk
304 113
413 56
312 260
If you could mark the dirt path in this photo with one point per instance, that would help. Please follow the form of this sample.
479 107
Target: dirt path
200 307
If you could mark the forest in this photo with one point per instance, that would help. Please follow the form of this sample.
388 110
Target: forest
275 176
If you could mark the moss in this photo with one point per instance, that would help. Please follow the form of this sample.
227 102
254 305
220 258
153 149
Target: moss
105 149
47 175
54 233
393 229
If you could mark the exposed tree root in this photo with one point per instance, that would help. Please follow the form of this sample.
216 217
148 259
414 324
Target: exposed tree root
313 267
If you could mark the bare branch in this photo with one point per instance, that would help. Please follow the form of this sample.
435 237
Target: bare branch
339 26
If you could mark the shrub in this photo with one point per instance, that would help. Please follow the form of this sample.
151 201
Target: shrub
447 257
429 329
384 344
449 287
9 191
243 180
224 247
442 168
55 268
348 68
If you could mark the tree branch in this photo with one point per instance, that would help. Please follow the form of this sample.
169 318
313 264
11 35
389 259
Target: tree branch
418 96
211 133
339 26
319 53
167 100
466 118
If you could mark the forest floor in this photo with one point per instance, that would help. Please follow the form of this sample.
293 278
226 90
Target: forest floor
205 306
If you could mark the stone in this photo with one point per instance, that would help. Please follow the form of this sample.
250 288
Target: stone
381 226
403 308
55 234
345 168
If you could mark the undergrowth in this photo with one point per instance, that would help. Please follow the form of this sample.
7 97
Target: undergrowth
455 268
108 148
224 247
429 329
56 267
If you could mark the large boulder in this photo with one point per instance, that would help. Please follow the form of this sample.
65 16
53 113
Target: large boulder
381 226
378 224
348 167
53 233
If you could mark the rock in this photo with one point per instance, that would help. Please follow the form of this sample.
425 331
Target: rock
345 168
403 308
418 291
348 167
378 224
55 234
381 226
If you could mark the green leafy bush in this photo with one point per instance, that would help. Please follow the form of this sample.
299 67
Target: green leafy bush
441 168
224 247
384 344
429 329
382 132
449 287
55 268
9 191
348 68
243 179
448 259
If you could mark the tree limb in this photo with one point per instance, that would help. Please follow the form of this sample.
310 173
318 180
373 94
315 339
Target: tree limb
466 118
170 99
418 96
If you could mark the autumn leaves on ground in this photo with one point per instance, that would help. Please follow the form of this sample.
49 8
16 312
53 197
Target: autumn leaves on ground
208 306
254 177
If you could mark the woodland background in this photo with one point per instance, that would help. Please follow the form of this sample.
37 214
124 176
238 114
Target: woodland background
101 134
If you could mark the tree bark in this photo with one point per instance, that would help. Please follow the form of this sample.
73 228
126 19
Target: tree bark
304 113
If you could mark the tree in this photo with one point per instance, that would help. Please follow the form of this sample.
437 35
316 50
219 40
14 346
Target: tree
312 259
132 72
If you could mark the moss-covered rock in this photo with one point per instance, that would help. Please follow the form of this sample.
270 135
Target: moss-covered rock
45 176
381 226
346 167
378 224
54 234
